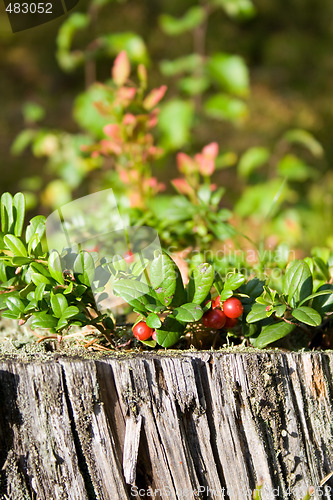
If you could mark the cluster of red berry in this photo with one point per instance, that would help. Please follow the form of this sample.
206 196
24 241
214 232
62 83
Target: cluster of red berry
219 316
223 315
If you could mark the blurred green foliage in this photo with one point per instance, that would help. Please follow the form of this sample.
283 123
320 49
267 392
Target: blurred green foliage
255 79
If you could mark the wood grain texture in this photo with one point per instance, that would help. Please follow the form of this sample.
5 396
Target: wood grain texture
195 425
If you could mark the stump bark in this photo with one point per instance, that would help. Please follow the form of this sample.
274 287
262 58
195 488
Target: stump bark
190 425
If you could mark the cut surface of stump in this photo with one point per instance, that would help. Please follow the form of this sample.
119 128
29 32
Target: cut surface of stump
185 425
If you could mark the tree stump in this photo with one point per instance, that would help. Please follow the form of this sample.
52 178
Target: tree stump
185 425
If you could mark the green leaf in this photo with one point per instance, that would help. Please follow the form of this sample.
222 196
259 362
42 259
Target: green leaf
135 293
163 273
70 312
39 279
15 245
7 219
129 41
306 139
84 268
22 141
153 321
170 332
307 315
39 292
188 313
176 26
272 333
43 320
317 294
230 72
279 310
257 313
193 85
59 304
252 159
242 9
234 281
223 107
297 283
36 227
202 280
18 213
175 121
86 114
181 65
149 343
15 305
55 267
323 303
295 169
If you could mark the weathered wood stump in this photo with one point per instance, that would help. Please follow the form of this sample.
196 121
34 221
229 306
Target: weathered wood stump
173 426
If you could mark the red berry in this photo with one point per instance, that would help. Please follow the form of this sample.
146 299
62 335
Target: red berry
232 308
215 318
141 331
216 302
154 335
230 323
128 257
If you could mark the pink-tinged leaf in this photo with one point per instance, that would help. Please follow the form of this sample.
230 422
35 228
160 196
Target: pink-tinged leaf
121 69
182 186
126 95
206 164
154 97
123 175
213 187
113 131
129 119
186 164
110 147
95 154
211 150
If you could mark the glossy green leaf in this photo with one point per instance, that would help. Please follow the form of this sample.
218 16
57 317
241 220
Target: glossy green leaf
323 303
70 312
15 305
18 213
43 320
15 245
7 219
307 315
234 281
135 293
163 273
153 321
202 280
170 332
84 268
297 283
257 313
36 226
55 267
59 304
272 333
188 313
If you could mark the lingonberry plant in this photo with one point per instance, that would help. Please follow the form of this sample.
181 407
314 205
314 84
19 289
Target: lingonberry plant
54 292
